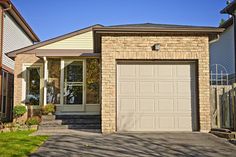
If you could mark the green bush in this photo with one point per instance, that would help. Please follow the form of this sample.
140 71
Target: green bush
48 109
19 110
33 121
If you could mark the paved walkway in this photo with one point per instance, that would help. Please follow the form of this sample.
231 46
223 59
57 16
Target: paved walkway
138 145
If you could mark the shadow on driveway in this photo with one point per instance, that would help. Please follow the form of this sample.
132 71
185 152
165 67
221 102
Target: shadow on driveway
138 145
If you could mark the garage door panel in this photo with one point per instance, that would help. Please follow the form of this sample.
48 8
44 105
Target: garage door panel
165 88
166 123
146 122
183 105
146 71
126 123
156 97
127 105
164 71
127 88
184 88
146 105
165 105
127 71
147 88
184 123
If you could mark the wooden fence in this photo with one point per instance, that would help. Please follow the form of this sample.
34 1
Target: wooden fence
223 107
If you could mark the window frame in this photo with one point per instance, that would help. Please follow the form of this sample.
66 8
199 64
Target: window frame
24 82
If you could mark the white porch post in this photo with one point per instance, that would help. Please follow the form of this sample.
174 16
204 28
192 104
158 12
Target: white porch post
45 80
62 82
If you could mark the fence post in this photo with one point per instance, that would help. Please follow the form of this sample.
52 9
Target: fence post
217 96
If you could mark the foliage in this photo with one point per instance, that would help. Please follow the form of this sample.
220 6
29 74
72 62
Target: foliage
48 109
222 21
19 110
19 143
33 121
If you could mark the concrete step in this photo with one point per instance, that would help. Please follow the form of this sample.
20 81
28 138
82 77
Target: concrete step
227 135
48 117
80 121
78 116
55 127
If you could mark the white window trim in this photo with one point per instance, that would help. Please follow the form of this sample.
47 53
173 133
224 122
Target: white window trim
24 68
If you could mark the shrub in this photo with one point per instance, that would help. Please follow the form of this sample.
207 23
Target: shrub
48 109
33 121
19 110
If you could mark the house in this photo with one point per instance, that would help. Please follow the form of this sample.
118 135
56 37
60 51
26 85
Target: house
137 77
222 50
15 33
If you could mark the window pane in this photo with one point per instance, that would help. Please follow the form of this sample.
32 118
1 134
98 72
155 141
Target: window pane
92 81
73 95
32 86
73 83
53 86
74 71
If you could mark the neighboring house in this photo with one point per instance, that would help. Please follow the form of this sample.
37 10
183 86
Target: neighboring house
142 77
222 50
15 33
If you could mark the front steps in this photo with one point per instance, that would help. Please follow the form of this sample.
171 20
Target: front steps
224 133
90 123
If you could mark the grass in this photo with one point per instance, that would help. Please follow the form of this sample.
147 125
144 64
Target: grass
19 143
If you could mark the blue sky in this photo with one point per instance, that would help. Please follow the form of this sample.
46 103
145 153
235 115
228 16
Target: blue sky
50 18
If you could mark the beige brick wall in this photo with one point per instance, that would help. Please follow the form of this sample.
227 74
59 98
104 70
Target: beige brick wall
18 75
179 47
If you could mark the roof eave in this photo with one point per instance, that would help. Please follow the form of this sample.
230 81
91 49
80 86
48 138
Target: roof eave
157 30
20 20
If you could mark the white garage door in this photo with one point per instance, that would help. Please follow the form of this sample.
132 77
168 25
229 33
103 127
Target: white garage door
156 97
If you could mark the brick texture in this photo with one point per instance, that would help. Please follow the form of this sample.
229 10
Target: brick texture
18 75
173 47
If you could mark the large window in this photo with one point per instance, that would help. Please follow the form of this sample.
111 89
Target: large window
32 86
92 81
53 86
73 83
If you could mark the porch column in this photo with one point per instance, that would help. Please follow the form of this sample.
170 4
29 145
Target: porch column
45 80
62 81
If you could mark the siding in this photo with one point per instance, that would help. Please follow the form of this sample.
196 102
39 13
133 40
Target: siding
222 51
13 38
81 41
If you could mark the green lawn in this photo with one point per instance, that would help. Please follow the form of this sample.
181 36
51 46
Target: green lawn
19 143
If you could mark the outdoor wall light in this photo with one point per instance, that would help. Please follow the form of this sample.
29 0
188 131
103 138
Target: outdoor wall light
156 47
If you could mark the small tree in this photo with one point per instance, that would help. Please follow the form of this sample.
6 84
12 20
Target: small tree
18 111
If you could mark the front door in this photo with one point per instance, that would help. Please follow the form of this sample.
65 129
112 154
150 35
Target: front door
73 85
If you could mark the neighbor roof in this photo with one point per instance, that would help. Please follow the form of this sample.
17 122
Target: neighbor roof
230 8
130 28
19 19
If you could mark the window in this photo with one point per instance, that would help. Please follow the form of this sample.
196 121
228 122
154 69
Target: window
73 83
53 85
32 86
92 81
4 91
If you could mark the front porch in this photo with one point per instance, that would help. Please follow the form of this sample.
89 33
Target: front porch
71 83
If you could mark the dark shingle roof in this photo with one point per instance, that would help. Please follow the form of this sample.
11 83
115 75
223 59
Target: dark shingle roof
154 25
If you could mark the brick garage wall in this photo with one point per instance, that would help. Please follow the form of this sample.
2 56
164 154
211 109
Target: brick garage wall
179 47
18 75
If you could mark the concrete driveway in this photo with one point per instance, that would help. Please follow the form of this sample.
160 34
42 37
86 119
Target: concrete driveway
138 145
